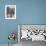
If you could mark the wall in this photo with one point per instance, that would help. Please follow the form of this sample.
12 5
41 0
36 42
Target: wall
27 12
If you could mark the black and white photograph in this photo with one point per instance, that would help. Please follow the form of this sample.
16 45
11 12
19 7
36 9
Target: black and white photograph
31 34
10 11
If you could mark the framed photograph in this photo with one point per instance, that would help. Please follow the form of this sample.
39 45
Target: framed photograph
31 32
10 11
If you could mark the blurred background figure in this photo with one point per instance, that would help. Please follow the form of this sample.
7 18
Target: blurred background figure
11 37
10 12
